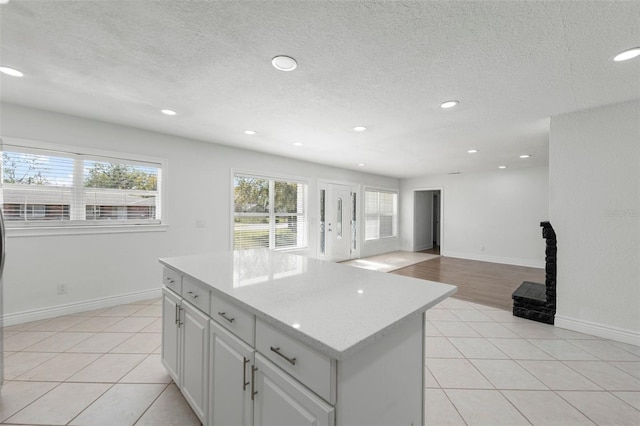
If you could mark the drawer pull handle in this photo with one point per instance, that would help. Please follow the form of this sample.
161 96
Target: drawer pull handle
169 280
254 392
244 374
195 296
223 315
177 312
292 361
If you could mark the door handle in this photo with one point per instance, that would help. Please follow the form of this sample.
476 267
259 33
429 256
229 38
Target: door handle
254 392
244 374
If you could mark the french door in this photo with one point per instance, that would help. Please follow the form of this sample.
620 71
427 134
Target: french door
338 222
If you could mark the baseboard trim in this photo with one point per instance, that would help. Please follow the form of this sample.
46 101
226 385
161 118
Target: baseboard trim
73 308
494 259
599 330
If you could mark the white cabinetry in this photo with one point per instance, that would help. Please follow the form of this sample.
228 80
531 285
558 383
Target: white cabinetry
280 400
185 348
237 360
195 365
246 389
170 336
230 386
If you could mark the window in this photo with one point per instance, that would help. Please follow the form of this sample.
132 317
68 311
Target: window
380 214
269 213
44 187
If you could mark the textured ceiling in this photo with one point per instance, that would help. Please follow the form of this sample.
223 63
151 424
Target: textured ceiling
385 65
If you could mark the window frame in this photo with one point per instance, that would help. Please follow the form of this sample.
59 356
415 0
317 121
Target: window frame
394 224
272 215
88 226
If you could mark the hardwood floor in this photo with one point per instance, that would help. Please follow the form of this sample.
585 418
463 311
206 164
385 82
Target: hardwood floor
486 283
434 250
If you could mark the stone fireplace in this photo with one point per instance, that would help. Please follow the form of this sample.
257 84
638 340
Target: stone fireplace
536 301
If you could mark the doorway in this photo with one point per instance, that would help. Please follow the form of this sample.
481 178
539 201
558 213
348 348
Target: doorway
338 222
427 227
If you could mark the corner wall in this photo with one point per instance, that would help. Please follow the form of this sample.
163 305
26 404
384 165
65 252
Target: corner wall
594 172
492 216
106 269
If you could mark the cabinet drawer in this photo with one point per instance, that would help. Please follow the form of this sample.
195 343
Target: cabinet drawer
233 318
196 295
313 369
172 279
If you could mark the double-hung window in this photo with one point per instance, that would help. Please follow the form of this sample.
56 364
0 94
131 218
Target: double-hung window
53 186
269 212
380 214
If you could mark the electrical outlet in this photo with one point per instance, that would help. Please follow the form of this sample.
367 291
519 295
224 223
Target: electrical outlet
62 289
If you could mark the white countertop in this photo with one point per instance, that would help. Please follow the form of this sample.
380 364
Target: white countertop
336 309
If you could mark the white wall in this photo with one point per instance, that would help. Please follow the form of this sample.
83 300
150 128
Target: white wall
493 216
594 172
103 266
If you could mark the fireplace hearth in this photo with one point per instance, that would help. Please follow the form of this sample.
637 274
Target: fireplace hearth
537 301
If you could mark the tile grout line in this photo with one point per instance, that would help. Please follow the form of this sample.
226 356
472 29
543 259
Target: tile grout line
91 403
576 408
152 402
32 402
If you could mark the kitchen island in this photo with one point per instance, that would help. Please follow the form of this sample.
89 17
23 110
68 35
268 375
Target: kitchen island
258 337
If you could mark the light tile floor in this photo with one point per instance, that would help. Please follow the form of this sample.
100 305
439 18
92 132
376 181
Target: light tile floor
487 367
484 367
94 368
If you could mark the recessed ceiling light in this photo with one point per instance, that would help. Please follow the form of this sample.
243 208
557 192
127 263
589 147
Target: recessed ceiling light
168 112
250 132
284 63
11 71
627 54
359 128
525 156
360 164
449 104
298 144
472 151
502 167
454 173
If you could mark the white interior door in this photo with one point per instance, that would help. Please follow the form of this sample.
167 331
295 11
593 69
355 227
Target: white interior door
338 222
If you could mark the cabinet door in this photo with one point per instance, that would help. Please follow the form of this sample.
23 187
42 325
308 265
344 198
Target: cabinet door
230 379
282 401
170 342
195 365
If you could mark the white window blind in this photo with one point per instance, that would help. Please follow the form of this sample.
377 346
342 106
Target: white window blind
381 211
269 213
48 187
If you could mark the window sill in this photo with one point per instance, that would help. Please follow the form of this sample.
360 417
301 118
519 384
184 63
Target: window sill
82 230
